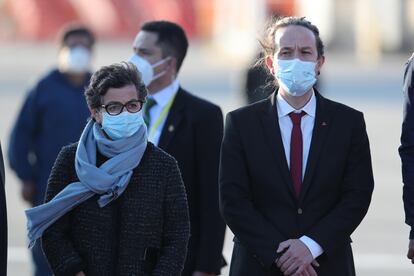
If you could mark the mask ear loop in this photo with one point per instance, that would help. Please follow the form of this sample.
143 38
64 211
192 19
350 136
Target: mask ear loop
158 63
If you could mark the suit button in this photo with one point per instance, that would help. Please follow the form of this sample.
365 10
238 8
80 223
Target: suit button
300 211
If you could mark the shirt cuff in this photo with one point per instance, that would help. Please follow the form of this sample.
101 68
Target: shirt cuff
412 234
313 246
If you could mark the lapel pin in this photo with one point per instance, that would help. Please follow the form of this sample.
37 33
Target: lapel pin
171 128
324 123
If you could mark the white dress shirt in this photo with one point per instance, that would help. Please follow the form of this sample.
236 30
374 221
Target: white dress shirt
307 123
161 98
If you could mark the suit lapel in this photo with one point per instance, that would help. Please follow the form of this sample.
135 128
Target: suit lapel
2 173
270 124
173 120
320 131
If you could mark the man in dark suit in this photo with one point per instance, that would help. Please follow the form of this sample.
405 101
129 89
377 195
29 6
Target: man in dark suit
406 151
295 172
3 219
191 130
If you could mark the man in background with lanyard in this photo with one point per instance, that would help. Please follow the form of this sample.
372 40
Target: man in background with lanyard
191 130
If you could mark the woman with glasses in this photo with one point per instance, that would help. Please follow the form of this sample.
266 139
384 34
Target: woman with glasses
115 203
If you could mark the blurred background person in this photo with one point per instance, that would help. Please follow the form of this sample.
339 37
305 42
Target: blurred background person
53 115
115 203
406 151
188 128
258 85
3 219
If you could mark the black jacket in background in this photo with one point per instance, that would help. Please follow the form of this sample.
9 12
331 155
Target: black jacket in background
406 149
143 232
3 220
192 134
257 199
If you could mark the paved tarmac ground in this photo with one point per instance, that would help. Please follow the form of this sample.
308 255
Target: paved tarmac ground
380 242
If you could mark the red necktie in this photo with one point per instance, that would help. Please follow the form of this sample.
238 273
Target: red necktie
296 151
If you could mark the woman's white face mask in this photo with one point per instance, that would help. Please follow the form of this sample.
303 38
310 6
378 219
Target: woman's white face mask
147 69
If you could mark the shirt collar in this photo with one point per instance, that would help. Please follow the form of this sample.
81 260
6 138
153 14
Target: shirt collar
163 96
284 108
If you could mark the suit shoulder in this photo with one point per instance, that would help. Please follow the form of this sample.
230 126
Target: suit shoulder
408 71
67 152
157 155
46 81
342 108
70 149
410 60
250 109
198 103
48 77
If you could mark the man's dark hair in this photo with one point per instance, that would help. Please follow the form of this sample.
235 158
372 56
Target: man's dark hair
116 75
171 39
268 43
75 29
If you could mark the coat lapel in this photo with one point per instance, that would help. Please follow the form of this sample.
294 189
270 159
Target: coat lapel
320 131
2 173
173 120
270 124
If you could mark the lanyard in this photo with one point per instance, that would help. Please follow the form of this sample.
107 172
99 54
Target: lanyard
160 118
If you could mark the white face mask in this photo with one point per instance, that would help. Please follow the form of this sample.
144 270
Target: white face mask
295 76
122 125
75 60
147 69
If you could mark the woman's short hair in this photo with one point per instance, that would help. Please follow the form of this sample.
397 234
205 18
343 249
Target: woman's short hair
116 75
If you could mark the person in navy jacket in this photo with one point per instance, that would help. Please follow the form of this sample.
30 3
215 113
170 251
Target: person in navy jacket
53 115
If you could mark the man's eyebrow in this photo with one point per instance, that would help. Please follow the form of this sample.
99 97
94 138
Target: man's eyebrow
286 48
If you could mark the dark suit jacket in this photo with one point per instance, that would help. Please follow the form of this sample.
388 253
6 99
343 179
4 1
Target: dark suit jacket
3 220
192 134
407 146
257 199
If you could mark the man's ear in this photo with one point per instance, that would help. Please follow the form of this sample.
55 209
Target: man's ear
269 64
319 63
172 63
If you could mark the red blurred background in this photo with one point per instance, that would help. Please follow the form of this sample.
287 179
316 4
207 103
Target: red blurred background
41 19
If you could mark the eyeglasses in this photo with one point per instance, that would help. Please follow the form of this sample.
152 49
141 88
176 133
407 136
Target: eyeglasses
115 108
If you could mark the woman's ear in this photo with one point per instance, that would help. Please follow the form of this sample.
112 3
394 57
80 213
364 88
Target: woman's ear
95 114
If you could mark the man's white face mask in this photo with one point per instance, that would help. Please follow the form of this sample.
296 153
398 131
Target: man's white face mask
295 76
75 60
147 69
